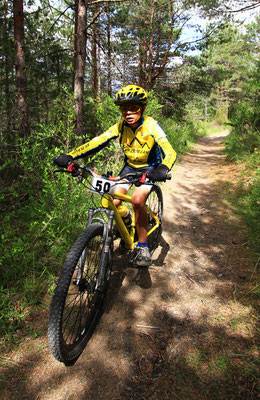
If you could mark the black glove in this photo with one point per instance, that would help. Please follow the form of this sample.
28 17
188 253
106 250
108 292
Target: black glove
159 173
63 160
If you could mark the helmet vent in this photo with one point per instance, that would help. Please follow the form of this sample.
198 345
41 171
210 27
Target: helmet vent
131 93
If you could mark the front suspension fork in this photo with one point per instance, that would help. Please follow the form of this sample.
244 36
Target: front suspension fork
107 246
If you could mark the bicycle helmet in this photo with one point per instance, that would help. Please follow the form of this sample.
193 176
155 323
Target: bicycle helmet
131 94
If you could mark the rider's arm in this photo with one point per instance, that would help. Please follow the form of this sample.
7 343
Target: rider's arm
96 144
168 154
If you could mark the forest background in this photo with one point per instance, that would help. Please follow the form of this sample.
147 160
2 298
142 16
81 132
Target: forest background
60 64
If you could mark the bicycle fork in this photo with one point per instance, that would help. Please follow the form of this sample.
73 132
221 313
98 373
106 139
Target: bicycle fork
107 247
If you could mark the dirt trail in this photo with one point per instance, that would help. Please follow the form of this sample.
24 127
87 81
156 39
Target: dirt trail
165 333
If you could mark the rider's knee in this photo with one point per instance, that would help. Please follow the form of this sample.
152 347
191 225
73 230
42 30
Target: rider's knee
117 202
138 201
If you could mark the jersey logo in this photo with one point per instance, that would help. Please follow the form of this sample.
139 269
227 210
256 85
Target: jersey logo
140 144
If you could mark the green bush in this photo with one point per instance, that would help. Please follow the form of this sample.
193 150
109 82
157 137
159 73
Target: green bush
153 109
243 144
221 116
246 199
106 113
244 138
39 209
182 135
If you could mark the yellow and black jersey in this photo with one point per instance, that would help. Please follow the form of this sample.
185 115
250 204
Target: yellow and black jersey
147 146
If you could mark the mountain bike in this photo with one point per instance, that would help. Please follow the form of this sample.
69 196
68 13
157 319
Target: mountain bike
80 291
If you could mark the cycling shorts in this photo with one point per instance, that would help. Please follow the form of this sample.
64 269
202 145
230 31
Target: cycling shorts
126 170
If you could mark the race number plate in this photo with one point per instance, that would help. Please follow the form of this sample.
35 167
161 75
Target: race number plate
102 185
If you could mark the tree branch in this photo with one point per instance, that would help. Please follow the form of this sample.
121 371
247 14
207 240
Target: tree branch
246 8
108 1
94 19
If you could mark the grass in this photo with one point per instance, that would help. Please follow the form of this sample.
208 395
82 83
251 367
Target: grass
221 367
213 127
243 197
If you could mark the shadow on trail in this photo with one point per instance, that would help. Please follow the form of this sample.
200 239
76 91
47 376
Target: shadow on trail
165 349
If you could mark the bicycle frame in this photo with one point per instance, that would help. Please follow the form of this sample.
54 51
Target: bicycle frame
128 237
108 204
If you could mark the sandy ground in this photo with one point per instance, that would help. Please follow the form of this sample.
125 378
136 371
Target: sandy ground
165 332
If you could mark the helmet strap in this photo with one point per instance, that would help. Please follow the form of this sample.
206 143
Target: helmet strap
143 109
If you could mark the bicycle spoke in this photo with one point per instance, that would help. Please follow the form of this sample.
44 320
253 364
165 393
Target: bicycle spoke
79 306
154 203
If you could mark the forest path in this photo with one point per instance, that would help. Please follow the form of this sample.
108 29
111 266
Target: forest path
166 332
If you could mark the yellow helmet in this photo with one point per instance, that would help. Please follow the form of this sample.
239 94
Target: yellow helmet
131 94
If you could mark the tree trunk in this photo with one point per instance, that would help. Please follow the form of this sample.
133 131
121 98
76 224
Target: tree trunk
166 55
140 48
80 58
109 79
21 82
7 69
45 77
150 59
58 74
144 50
75 39
94 54
206 109
98 63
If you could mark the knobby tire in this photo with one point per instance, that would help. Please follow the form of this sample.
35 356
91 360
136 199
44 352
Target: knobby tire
155 202
75 306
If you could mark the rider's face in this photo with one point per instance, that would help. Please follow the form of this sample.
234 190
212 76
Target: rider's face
131 113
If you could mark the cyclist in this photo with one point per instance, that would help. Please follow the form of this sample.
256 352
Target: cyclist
146 148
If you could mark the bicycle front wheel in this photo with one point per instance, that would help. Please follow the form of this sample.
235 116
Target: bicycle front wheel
154 202
77 302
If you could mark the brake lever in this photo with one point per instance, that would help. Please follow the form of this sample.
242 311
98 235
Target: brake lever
143 178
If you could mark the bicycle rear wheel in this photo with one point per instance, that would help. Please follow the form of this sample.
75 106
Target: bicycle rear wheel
76 303
154 202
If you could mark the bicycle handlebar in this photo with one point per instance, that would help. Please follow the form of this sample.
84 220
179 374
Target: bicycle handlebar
74 168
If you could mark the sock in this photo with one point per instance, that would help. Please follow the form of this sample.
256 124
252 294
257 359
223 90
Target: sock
142 244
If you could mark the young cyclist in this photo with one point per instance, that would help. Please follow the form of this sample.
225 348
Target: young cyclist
146 148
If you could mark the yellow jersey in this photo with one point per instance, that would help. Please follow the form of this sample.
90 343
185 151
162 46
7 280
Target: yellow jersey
147 146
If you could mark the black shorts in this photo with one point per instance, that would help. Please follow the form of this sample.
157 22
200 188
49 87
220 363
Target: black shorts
127 169
128 182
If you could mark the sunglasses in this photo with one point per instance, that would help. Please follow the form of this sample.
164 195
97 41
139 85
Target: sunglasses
133 108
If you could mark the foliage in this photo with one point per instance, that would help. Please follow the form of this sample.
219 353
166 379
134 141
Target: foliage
107 113
244 118
213 79
221 116
243 145
153 108
182 135
244 138
39 211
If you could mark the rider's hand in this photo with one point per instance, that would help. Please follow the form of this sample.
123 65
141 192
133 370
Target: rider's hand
159 173
64 160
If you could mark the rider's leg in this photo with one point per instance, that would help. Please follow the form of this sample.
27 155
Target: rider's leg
120 190
138 201
142 256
